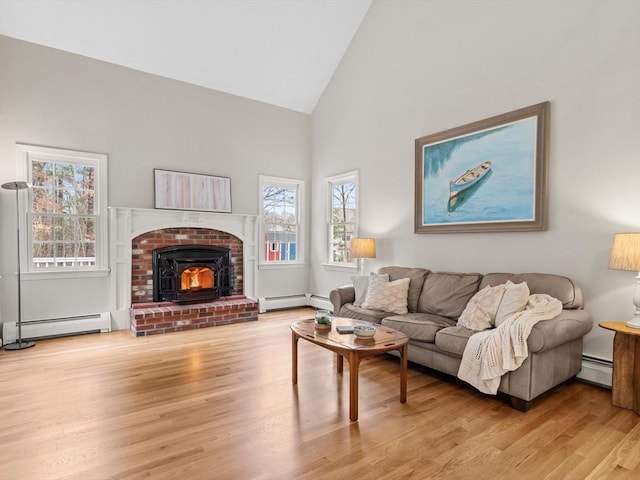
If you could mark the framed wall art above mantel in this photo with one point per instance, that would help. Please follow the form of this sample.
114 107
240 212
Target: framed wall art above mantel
191 191
486 176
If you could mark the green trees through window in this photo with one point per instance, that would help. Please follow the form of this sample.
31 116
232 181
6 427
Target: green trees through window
66 214
343 216
281 221
63 216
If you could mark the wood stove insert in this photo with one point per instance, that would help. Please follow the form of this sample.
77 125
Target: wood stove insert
190 273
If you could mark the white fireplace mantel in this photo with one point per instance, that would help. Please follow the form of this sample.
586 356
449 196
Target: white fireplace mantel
127 223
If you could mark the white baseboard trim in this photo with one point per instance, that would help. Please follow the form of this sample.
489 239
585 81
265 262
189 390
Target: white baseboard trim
266 304
597 371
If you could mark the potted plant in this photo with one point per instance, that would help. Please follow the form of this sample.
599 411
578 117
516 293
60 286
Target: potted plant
323 319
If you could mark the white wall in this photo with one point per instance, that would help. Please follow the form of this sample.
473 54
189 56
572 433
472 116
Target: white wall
417 68
49 97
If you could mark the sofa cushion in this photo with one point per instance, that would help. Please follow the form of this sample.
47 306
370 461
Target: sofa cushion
562 288
418 326
349 310
514 300
453 340
387 296
416 276
361 285
447 293
480 312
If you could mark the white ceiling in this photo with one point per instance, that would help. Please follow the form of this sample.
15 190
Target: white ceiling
281 52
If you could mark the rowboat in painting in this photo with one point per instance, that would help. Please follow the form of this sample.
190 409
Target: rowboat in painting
468 179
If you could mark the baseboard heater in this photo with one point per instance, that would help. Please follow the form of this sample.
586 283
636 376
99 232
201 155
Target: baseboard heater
57 327
320 302
596 370
293 301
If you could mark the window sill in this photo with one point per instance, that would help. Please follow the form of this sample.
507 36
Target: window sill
337 267
67 274
276 266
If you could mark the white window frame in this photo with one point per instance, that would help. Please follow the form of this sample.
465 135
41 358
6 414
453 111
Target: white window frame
347 177
25 154
265 180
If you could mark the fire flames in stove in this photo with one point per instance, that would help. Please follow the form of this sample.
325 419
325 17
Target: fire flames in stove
188 273
197 278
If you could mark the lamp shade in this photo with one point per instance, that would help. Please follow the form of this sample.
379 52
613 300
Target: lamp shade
17 185
625 252
363 248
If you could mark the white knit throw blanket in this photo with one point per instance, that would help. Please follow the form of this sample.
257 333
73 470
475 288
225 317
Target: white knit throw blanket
491 353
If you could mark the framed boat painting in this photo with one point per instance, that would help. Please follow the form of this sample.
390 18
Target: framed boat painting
191 191
487 176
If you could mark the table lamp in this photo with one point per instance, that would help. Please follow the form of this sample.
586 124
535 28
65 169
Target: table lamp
362 248
625 255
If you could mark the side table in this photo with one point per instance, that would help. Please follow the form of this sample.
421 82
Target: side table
626 366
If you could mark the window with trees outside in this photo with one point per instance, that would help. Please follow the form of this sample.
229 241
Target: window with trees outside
343 216
281 227
67 209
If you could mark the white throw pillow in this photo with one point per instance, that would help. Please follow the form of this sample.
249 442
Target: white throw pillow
514 300
361 285
480 312
388 296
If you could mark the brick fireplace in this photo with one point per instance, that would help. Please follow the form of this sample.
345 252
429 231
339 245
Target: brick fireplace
142 248
149 317
136 233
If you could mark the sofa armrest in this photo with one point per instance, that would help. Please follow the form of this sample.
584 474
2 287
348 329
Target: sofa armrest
569 325
340 296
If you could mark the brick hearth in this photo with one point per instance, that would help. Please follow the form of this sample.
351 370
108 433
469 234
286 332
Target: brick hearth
165 317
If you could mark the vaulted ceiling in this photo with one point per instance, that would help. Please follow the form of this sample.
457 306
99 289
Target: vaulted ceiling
281 52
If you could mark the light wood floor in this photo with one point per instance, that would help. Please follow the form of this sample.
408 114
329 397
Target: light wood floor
219 404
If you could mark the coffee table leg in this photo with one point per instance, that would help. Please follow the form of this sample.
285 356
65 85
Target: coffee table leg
403 373
294 358
354 364
339 363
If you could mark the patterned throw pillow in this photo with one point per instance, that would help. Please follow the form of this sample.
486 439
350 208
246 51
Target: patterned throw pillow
480 312
361 285
515 299
388 296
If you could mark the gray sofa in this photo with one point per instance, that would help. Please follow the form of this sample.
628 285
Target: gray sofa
437 299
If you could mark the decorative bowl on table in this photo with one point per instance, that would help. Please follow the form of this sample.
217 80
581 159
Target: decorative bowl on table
323 320
364 331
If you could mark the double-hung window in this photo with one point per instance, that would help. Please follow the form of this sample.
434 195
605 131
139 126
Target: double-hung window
342 217
67 211
281 228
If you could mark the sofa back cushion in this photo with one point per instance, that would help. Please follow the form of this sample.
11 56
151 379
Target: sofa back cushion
447 293
562 288
416 281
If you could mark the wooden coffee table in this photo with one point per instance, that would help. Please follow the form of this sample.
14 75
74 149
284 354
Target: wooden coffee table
353 349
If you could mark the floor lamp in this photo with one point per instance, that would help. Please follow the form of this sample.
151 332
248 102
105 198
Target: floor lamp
19 344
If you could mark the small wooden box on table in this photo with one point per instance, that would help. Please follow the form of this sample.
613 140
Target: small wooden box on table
353 349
